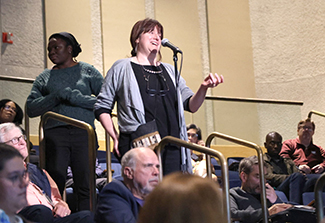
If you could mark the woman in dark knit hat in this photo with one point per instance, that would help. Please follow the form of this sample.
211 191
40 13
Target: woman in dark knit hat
70 89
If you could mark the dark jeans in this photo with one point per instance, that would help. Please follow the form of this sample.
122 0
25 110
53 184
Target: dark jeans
68 145
41 213
311 182
293 187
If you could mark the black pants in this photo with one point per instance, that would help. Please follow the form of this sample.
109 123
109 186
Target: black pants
41 213
68 145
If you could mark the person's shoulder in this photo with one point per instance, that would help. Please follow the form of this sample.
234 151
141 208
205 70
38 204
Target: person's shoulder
121 62
290 141
168 66
89 67
266 157
114 185
235 190
45 73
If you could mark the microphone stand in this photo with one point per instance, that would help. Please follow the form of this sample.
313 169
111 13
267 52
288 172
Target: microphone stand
183 150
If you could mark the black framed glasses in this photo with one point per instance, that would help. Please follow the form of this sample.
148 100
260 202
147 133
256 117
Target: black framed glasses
163 83
16 140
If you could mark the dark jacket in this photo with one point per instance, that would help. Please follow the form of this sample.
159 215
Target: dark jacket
116 204
274 175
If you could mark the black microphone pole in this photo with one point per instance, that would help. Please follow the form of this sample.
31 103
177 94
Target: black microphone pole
175 59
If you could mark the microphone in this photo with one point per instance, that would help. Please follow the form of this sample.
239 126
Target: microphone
165 42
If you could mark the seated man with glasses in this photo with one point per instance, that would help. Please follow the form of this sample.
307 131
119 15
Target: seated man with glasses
43 197
307 156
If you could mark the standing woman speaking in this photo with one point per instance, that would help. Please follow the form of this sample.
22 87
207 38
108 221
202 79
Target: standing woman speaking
69 88
145 92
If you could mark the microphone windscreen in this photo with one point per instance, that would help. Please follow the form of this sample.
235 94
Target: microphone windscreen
164 42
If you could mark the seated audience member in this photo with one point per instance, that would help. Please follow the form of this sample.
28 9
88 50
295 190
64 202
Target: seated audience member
120 201
245 203
13 182
198 159
43 197
309 157
184 198
10 111
281 173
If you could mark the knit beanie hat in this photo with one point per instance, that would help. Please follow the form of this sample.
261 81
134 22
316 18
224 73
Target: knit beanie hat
71 40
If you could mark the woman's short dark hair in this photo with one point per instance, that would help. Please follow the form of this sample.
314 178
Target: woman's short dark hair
19 112
197 129
70 40
7 152
144 26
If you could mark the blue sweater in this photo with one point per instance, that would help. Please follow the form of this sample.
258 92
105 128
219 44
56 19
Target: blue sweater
70 91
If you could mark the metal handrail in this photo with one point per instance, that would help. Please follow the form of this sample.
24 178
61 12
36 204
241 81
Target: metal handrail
91 148
255 100
319 197
260 162
108 154
316 113
202 149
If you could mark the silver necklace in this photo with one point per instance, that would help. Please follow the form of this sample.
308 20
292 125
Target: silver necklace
152 71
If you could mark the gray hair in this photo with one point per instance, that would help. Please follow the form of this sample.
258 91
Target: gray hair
129 159
246 164
5 128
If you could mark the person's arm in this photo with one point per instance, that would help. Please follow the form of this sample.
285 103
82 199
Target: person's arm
107 122
77 98
61 208
286 150
247 215
322 164
38 102
273 178
197 99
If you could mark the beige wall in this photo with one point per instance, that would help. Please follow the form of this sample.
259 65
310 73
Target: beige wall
74 18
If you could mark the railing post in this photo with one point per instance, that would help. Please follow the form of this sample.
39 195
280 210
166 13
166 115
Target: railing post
91 148
260 162
208 151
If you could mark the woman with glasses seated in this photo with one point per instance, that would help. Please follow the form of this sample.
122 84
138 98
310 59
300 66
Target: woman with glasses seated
10 111
13 183
198 159
146 96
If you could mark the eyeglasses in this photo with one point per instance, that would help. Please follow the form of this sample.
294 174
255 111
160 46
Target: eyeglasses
310 129
163 83
16 140
18 178
8 107
192 135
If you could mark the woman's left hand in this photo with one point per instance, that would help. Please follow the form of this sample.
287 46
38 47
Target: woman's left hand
212 80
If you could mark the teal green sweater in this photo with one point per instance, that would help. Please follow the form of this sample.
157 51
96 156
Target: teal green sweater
70 91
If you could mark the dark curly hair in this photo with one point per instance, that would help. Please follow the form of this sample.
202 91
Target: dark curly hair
18 120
